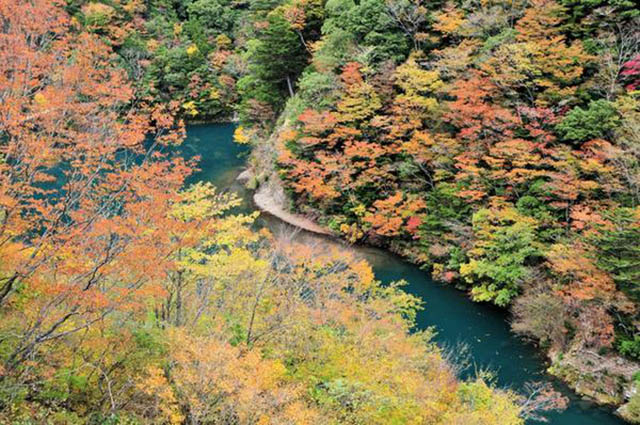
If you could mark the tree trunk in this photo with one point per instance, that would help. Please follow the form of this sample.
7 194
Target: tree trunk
179 300
7 287
290 86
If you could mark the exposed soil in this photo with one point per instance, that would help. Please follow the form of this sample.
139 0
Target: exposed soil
270 198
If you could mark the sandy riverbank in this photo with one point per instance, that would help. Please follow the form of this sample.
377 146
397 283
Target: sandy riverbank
272 200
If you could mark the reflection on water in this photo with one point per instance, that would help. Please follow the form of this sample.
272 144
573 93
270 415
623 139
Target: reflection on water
481 327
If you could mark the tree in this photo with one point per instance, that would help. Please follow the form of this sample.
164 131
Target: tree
595 122
476 112
217 16
617 253
619 47
366 29
411 16
631 72
394 215
214 379
583 279
625 154
586 17
541 397
83 195
505 243
532 311
418 87
278 56
540 58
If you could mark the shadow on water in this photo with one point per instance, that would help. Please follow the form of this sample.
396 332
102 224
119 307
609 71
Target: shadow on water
482 328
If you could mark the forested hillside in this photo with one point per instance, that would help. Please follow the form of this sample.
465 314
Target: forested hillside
496 143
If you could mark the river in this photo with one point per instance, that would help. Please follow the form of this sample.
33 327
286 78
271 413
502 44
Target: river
483 328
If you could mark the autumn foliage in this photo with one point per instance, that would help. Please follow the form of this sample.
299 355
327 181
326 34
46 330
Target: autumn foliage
128 297
502 153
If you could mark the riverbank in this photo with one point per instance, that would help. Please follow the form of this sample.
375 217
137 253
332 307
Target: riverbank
270 198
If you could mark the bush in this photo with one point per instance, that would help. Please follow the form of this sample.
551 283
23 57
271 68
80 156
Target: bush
630 347
632 413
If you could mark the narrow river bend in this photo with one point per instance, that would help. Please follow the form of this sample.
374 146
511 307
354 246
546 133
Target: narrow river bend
456 319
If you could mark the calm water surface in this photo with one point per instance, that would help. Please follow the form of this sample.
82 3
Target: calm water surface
484 329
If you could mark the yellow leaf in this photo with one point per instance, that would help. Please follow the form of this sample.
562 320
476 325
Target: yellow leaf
192 50
40 99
